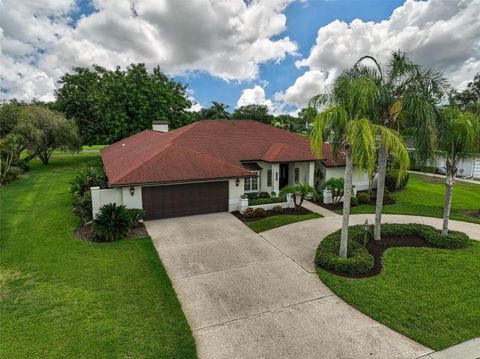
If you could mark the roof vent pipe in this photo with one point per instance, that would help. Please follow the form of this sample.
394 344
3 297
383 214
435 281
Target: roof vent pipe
160 126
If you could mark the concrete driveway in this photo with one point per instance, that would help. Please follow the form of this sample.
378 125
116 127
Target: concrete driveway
245 297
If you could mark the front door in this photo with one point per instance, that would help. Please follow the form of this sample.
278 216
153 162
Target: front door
283 175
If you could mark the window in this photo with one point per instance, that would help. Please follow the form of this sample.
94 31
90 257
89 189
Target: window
269 178
297 175
251 183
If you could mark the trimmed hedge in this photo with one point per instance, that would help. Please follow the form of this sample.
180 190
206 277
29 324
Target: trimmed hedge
391 181
359 261
259 201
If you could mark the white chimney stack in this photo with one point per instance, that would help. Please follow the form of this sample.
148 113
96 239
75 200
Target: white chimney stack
160 126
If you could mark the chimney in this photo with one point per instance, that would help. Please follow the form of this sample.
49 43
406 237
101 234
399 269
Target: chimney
160 126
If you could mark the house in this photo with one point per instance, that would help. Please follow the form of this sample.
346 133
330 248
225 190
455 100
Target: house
207 166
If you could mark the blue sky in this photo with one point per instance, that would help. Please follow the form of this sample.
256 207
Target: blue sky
273 52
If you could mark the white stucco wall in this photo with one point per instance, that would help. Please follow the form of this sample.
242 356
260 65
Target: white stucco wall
264 177
306 172
234 193
115 195
360 178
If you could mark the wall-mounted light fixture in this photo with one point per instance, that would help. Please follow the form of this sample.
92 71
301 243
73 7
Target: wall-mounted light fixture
237 182
132 190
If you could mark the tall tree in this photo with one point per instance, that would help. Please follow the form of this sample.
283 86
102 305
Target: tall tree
287 122
253 112
459 138
469 99
407 95
218 111
44 131
306 116
343 123
109 105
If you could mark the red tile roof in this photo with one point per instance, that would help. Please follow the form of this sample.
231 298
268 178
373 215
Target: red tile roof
209 149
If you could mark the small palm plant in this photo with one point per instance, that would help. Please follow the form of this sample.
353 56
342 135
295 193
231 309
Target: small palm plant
112 223
301 191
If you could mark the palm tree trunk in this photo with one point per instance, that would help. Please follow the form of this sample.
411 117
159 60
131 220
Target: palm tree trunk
382 170
449 180
347 195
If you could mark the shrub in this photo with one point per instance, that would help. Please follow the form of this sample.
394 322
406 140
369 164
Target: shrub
12 174
92 176
273 194
263 195
259 201
252 195
260 212
277 209
112 223
136 215
353 201
391 181
359 261
82 207
363 198
248 212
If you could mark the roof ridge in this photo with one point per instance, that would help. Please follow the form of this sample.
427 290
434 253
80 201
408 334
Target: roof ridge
215 158
155 153
192 125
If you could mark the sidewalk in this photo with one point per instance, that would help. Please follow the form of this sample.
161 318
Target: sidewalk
318 209
443 176
466 350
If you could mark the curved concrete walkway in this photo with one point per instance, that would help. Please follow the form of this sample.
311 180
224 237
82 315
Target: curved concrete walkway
249 295
300 240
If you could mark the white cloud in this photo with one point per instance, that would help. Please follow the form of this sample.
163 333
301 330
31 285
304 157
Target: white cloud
311 83
254 96
443 35
227 39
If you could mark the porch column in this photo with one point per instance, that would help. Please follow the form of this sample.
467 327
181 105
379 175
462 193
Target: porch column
276 178
311 174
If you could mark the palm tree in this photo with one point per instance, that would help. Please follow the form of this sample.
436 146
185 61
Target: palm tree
344 124
407 96
218 111
301 190
459 138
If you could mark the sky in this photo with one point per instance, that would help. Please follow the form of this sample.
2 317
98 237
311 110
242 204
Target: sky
278 53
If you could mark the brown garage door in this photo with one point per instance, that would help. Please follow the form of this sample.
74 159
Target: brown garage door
185 199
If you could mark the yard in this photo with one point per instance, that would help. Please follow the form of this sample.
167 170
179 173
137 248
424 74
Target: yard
424 196
267 223
427 294
63 297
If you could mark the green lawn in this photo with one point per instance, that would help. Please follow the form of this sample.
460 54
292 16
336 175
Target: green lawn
267 223
63 297
430 295
94 147
424 196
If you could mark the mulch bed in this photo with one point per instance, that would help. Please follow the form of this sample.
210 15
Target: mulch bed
85 232
377 248
286 211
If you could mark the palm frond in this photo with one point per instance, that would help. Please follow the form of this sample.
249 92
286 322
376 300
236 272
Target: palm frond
362 144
